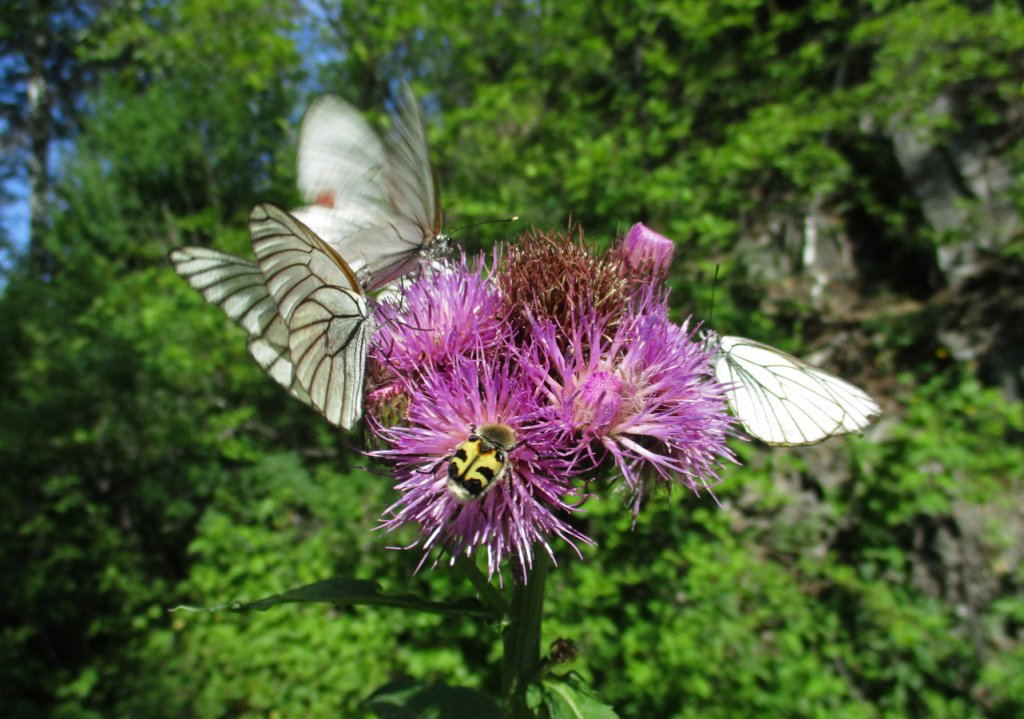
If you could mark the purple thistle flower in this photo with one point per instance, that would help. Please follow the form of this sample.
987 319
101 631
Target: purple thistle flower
492 392
644 395
448 401
452 309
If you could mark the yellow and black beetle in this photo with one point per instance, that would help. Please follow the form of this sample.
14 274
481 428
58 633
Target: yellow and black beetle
480 462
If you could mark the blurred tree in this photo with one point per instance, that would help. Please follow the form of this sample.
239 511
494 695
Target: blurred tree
109 467
42 84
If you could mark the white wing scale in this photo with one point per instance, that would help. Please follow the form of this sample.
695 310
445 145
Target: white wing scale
782 400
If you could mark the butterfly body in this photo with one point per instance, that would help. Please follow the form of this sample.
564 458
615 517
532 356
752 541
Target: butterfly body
480 462
784 401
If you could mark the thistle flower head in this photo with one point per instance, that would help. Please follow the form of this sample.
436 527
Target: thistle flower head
642 395
527 504
557 278
450 310
496 395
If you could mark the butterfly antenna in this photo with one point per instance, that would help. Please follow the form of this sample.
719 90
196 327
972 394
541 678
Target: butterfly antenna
514 218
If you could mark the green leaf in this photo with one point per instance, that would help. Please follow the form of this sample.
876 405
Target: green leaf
567 697
342 590
408 699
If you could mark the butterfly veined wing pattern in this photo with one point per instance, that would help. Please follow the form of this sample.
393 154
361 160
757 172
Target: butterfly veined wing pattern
237 286
377 204
782 400
323 307
413 187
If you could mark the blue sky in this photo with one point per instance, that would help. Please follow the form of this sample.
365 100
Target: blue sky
14 216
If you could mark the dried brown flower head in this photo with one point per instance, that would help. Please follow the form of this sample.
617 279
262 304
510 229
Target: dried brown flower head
555 277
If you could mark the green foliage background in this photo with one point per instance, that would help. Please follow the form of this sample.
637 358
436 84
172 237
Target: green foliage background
149 463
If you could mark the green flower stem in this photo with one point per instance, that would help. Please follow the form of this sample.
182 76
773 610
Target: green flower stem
488 594
522 640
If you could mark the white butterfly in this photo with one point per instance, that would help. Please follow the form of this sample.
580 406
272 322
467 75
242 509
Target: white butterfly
303 308
782 400
379 205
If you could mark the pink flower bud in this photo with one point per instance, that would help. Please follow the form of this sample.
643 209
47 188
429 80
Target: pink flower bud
646 250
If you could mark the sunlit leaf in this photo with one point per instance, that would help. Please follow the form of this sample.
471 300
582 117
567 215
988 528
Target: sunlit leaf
568 697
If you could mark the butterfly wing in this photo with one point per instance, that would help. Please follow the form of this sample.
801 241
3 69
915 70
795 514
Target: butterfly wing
237 287
413 191
379 206
341 161
413 194
270 350
328 338
342 174
233 284
323 308
342 226
782 400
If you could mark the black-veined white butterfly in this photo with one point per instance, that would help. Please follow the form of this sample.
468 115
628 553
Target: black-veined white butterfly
303 308
378 204
782 400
